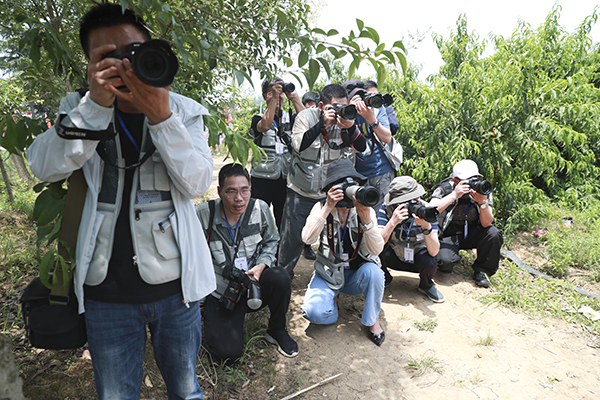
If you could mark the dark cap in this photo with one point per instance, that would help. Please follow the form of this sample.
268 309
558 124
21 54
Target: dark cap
354 87
340 169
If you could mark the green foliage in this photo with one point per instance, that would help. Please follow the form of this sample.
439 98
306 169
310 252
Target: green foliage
528 115
571 239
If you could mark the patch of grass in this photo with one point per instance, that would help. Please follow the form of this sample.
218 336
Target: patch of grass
428 324
487 340
424 364
516 289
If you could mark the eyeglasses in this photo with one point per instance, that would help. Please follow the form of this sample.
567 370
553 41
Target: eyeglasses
232 193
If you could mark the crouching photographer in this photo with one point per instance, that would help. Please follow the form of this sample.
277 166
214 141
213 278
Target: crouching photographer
243 239
347 260
409 227
465 205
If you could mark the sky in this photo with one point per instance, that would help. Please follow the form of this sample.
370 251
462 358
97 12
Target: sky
398 20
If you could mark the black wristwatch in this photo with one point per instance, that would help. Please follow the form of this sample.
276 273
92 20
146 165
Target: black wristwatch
375 125
427 231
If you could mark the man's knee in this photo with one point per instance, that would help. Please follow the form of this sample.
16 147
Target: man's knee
493 234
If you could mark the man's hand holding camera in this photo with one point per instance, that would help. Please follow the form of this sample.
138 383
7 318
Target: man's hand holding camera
255 272
330 118
367 113
112 78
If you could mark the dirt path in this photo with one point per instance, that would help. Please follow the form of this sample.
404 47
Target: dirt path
527 358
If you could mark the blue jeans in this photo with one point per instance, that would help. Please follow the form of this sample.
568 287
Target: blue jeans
319 301
117 342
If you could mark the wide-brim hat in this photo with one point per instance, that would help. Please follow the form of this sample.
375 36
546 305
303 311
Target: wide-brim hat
353 87
403 189
340 169
465 169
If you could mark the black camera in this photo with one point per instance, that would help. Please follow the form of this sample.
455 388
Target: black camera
480 186
288 87
347 112
376 100
428 213
365 195
234 289
153 62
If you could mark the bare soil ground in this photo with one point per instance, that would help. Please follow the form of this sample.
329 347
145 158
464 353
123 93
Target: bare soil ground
473 351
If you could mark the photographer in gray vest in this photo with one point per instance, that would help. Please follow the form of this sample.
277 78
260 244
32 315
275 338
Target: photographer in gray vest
320 136
271 132
243 241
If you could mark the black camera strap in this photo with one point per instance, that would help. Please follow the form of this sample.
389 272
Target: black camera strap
243 223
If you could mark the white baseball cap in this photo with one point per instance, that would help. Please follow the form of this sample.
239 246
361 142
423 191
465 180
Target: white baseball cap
465 169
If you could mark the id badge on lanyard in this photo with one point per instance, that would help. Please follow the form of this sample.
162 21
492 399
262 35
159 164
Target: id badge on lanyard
345 261
409 254
279 149
241 263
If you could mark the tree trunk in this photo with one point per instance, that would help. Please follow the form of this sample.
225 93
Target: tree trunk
22 169
11 197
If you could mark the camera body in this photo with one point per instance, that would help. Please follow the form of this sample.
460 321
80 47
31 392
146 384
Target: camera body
428 213
365 195
347 112
234 289
480 186
153 62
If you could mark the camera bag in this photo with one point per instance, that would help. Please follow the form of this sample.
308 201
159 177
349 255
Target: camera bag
51 316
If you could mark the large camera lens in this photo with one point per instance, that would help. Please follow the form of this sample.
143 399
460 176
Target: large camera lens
365 195
347 112
482 187
428 213
373 100
154 63
388 100
254 301
288 87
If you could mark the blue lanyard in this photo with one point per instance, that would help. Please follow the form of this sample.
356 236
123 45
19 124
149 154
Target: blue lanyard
467 210
276 127
129 135
408 231
233 236
343 234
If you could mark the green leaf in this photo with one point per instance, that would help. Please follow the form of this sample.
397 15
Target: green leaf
332 32
302 58
360 24
314 69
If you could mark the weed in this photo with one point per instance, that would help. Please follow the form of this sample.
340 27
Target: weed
486 340
424 364
428 324
476 379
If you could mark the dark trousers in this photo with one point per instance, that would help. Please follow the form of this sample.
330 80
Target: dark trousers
296 210
424 265
224 329
271 192
487 241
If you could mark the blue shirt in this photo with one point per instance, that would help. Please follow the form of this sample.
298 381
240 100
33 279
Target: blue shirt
374 163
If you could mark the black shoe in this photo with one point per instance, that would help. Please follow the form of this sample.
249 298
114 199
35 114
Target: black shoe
377 338
285 344
480 279
309 254
388 278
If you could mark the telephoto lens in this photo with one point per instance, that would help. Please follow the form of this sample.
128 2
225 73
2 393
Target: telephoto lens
365 195
372 100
